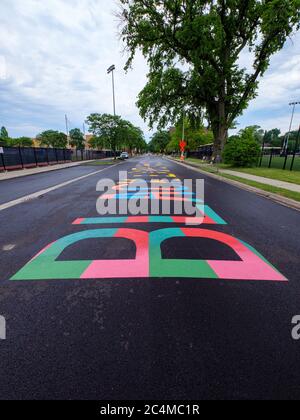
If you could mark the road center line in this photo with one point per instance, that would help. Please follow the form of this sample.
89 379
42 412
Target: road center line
48 190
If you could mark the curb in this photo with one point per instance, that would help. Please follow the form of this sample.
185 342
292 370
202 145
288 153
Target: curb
287 202
5 176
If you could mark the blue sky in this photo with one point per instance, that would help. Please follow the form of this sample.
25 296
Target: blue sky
53 60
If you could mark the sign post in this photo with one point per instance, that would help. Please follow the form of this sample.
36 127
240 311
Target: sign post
182 146
2 157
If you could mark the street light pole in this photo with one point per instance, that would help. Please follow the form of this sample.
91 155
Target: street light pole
286 143
67 129
111 70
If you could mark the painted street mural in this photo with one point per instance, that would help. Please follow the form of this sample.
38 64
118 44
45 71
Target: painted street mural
155 257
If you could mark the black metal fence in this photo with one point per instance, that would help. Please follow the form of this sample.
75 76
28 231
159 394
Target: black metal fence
203 152
269 158
274 158
30 157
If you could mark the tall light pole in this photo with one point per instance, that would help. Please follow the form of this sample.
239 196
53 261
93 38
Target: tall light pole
111 70
84 136
67 128
286 143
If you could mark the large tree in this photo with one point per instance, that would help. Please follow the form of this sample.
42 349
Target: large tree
193 49
159 141
273 137
77 139
115 133
108 131
3 133
133 138
51 138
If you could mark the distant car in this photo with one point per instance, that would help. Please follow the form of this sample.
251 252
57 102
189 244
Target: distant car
124 156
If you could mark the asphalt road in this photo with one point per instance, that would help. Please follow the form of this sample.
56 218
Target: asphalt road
160 337
15 188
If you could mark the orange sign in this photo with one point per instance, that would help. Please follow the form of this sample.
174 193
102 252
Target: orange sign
182 145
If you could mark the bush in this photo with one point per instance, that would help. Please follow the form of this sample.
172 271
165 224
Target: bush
242 150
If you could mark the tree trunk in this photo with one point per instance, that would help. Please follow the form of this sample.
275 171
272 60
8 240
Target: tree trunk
220 130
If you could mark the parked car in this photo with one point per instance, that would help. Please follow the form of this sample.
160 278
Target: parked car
124 156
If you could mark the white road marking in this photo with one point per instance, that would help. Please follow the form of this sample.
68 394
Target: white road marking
9 247
47 190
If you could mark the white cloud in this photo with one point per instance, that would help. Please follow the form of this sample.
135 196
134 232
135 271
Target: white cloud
279 86
54 56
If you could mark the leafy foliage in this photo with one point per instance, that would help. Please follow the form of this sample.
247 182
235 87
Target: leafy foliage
51 138
3 134
242 150
193 49
77 139
5 140
273 138
22 142
159 141
193 136
258 133
113 132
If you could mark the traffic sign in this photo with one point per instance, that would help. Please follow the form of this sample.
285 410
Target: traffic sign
1 151
182 145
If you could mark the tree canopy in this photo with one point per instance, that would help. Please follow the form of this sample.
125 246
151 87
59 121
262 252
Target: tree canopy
51 138
113 132
159 141
194 136
193 49
5 140
3 134
22 142
273 137
77 139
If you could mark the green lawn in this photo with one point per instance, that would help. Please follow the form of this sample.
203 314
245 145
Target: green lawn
269 173
269 188
280 174
272 173
278 162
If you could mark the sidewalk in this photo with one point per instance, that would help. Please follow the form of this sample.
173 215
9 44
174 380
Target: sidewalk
259 179
282 192
262 180
33 171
